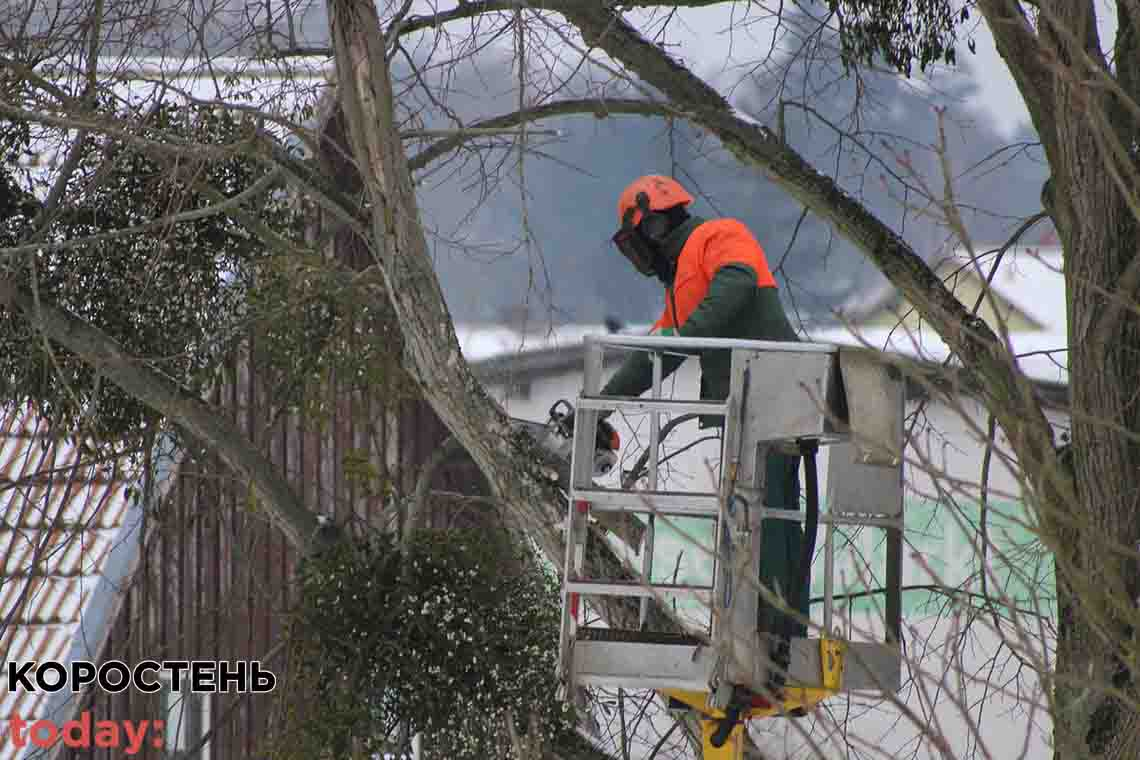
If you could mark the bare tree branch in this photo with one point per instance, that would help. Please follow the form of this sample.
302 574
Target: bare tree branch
596 106
135 377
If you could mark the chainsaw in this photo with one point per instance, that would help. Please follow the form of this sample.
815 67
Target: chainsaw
555 440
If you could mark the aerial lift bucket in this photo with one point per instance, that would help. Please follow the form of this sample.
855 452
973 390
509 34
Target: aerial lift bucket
792 397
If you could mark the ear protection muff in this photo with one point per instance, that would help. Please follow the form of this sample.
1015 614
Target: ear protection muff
653 225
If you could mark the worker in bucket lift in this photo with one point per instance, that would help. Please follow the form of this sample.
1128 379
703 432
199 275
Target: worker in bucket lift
717 285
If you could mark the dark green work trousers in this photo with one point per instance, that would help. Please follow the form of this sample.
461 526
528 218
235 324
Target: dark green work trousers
780 546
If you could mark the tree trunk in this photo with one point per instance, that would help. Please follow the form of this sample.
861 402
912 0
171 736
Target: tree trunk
509 460
1097 584
1098 578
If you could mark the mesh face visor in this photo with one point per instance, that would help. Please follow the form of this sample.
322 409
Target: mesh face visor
631 245
634 249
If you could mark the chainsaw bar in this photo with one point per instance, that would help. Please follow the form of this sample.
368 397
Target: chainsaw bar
556 442
554 447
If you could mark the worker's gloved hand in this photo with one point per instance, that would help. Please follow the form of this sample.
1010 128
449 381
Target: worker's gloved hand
606 441
563 420
606 436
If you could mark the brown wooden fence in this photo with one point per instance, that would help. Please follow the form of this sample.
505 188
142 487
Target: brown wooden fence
215 577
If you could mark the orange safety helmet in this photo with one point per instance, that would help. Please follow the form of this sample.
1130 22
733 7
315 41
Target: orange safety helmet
661 193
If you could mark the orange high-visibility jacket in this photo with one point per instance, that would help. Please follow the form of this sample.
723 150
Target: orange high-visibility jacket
722 288
712 245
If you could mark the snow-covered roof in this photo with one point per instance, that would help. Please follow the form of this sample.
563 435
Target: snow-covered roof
69 532
1030 278
60 518
483 341
1042 356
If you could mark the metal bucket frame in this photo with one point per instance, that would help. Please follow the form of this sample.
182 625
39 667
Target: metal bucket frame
780 394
